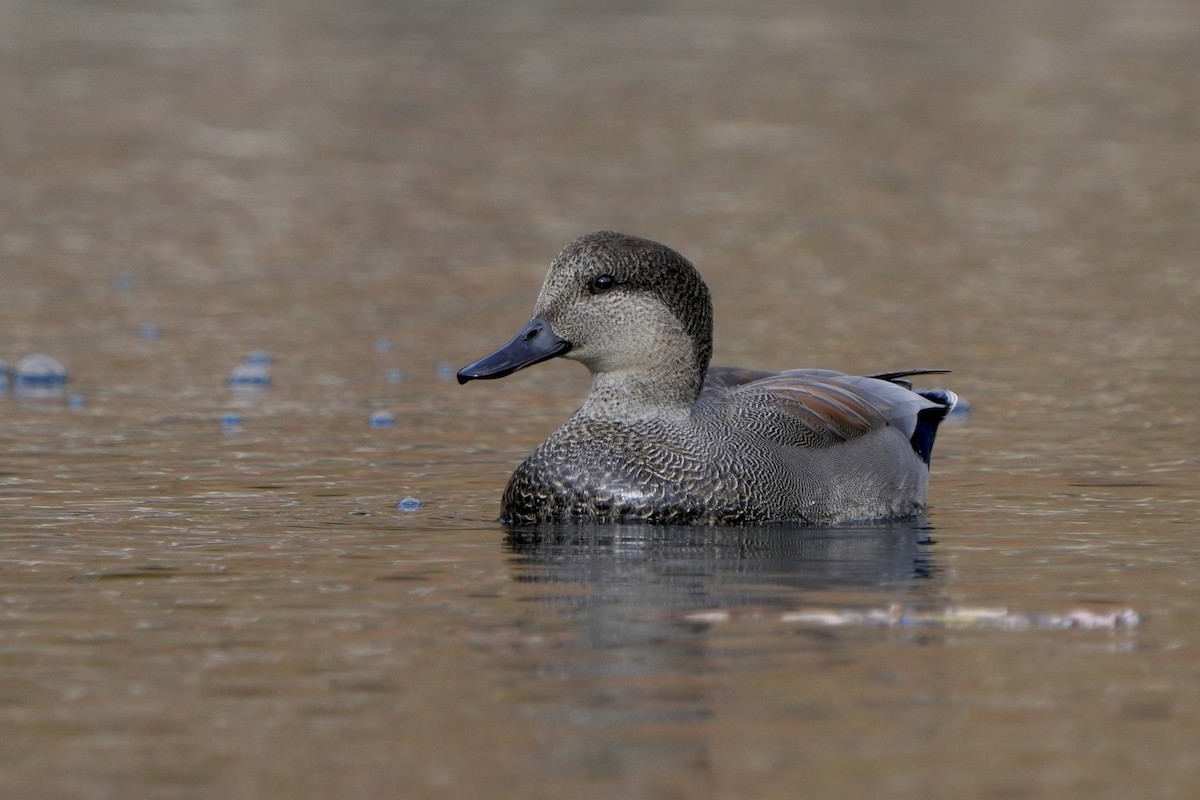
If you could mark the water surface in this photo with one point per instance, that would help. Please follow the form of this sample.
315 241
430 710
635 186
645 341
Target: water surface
191 609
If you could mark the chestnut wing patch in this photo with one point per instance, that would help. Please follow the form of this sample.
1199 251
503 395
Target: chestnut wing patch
827 413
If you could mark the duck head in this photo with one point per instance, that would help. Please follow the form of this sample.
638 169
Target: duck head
635 312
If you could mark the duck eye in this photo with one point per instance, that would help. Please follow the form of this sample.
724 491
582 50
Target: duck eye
602 283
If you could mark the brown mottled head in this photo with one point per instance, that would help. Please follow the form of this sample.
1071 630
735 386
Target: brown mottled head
635 312
622 300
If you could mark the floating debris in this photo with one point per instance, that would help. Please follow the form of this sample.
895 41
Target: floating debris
250 376
39 375
409 504
445 371
231 421
40 369
394 376
76 402
382 419
897 616
149 332
384 345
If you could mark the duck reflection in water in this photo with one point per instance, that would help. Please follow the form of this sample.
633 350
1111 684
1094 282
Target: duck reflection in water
685 567
630 679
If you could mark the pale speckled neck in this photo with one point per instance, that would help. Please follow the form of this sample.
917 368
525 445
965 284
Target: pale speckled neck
630 396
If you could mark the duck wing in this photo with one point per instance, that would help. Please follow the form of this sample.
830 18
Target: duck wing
824 407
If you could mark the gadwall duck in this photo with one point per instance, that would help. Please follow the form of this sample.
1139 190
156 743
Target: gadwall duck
663 438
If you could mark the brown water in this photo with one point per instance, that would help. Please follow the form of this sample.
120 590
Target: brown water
1009 190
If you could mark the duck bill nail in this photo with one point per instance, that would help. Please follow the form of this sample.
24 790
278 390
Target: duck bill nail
536 342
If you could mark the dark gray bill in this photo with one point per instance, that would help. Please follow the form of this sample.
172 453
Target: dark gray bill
536 342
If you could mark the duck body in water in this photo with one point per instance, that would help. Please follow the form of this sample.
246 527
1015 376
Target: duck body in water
663 438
